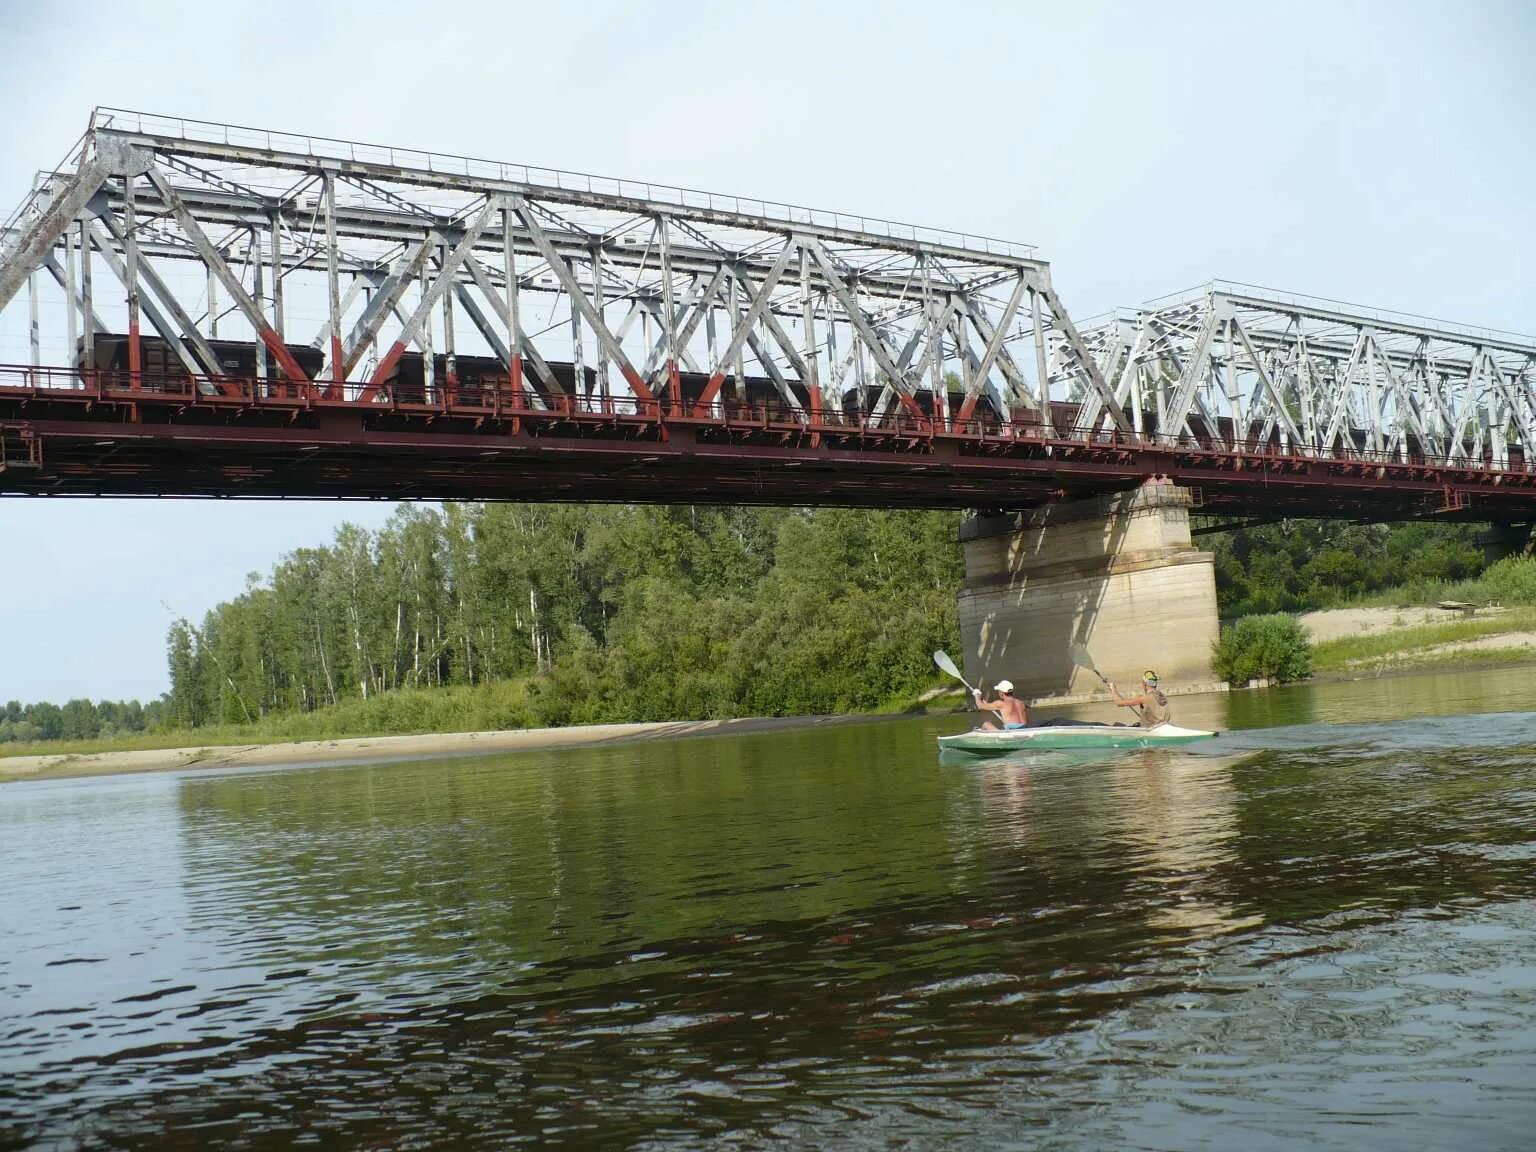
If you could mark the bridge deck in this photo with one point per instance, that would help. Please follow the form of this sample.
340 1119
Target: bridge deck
269 440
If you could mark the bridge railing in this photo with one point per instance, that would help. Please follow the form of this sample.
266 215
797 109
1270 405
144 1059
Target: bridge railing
444 164
498 399
1282 301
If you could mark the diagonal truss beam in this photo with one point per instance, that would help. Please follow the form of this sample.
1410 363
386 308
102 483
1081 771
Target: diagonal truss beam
744 325
1085 362
45 231
231 282
162 324
990 353
786 345
205 355
447 272
487 287
877 347
386 297
578 297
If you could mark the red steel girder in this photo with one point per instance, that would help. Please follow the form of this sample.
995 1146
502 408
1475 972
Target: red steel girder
105 440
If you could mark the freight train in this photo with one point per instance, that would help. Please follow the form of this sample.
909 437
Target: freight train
482 382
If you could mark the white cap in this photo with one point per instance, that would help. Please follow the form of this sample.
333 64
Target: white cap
1005 685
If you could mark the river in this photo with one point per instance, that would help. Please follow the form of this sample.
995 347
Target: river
1318 931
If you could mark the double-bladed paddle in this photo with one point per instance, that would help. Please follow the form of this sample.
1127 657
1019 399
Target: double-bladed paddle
1083 659
946 665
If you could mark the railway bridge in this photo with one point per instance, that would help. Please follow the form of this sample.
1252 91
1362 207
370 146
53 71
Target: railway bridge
207 310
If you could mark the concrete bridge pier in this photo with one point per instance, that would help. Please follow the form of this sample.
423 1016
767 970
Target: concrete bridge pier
1118 573
1504 539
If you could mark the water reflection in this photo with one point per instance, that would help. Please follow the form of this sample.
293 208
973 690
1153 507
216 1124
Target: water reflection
822 937
1179 814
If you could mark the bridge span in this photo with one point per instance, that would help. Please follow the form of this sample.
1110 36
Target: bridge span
217 311
199 309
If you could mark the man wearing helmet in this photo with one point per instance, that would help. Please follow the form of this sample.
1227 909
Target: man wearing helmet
1151 706
1009 708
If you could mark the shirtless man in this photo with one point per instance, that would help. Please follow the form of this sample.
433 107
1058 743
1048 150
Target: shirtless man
1009 708
1150 705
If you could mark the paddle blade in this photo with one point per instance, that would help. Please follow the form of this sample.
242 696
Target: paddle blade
1081 657
947 665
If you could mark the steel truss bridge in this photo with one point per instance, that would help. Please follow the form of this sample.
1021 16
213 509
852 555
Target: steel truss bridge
205 310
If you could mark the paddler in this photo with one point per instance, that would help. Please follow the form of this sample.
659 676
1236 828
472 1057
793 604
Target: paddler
1150 706
1009 708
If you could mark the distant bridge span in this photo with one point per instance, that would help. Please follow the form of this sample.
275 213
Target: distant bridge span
203 310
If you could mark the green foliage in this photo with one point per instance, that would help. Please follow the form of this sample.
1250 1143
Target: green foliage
605 613
1298 565
76 720
1511 581
571 614
1273 647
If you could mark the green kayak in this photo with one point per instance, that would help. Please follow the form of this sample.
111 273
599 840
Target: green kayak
1049 737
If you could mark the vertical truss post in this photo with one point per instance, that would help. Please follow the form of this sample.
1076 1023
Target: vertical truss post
578 364
1303 378
738 364
87 306
69 292
669 313
860 371
33 331
1042 369
131 282
213 306
967 377
1234 396
709 327
450 357
333 285
812 382
834 365
931 322
1137 390
514 328
428 352
258 295
1372 367
277 275
599 303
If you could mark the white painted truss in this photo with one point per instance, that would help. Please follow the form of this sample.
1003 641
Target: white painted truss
1256 370
207 232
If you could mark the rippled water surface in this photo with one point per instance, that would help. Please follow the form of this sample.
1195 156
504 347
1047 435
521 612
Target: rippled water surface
1319 931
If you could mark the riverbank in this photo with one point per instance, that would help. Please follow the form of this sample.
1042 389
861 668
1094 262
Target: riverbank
1351 641
366 749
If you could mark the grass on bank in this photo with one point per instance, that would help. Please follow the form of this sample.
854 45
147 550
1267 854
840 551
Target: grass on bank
1510 582
405 712
500 706
1416 644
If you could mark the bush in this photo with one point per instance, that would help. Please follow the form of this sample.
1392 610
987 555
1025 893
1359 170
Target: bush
1263 648
1510 581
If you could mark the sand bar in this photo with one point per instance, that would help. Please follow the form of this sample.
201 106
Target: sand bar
372 748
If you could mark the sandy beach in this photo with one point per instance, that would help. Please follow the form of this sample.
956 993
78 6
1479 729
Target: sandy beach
376 748
1334 623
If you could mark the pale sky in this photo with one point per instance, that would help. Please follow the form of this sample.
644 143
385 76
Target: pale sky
1382 153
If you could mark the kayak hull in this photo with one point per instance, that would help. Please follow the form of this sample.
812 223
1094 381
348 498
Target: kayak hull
984 742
